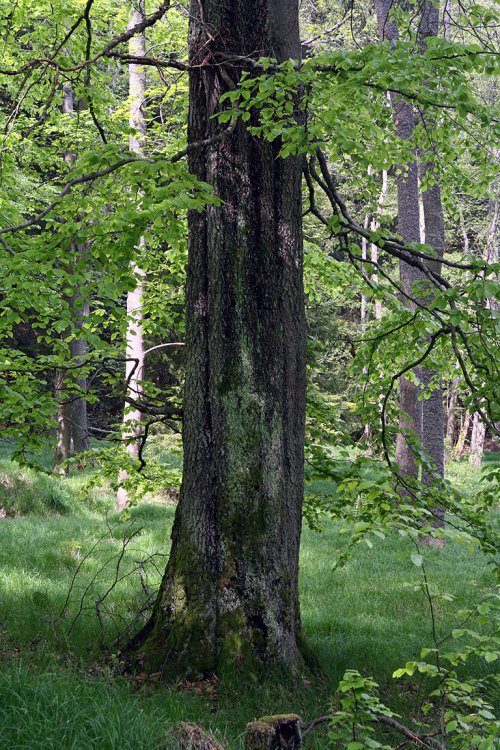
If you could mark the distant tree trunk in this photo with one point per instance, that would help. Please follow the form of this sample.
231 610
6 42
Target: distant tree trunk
477 441
63 435
451 416
72 423
491 256
229 593
375 224
134 367
78 350
409 229
462 437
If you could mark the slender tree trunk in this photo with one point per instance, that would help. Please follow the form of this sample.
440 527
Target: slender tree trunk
229 593
432 407
72 429
477 442
409 229
375 224
63 436
491 256
451 416
134 367
78 350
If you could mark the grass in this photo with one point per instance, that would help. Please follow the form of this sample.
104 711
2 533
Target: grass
57 692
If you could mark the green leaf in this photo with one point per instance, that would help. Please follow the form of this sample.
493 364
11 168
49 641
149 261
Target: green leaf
417 559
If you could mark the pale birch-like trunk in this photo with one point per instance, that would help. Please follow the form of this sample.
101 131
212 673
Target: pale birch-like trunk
134 368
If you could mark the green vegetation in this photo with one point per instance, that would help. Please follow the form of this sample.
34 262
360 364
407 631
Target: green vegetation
57 690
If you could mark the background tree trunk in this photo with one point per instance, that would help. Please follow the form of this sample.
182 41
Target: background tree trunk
409 229
134 366
78 350
375 224
462 437
229 593
451 416
432 407
477 442
72 422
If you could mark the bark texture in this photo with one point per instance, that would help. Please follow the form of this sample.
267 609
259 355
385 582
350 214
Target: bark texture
229 593
134 338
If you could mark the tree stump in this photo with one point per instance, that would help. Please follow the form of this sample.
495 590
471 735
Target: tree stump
280 732
193 737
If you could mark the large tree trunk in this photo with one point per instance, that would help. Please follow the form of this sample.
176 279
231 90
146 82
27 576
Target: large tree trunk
409 229
229 593
134 367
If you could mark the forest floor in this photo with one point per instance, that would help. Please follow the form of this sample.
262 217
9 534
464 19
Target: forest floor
57 691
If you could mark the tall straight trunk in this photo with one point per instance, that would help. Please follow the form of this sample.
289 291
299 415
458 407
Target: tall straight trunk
72 422
134 366
229 593
432 407
409 228
78 349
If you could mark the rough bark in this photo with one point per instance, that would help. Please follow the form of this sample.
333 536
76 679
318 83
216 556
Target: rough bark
134 338
409 229
229 593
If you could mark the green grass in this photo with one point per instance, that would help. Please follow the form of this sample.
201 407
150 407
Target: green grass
56 691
